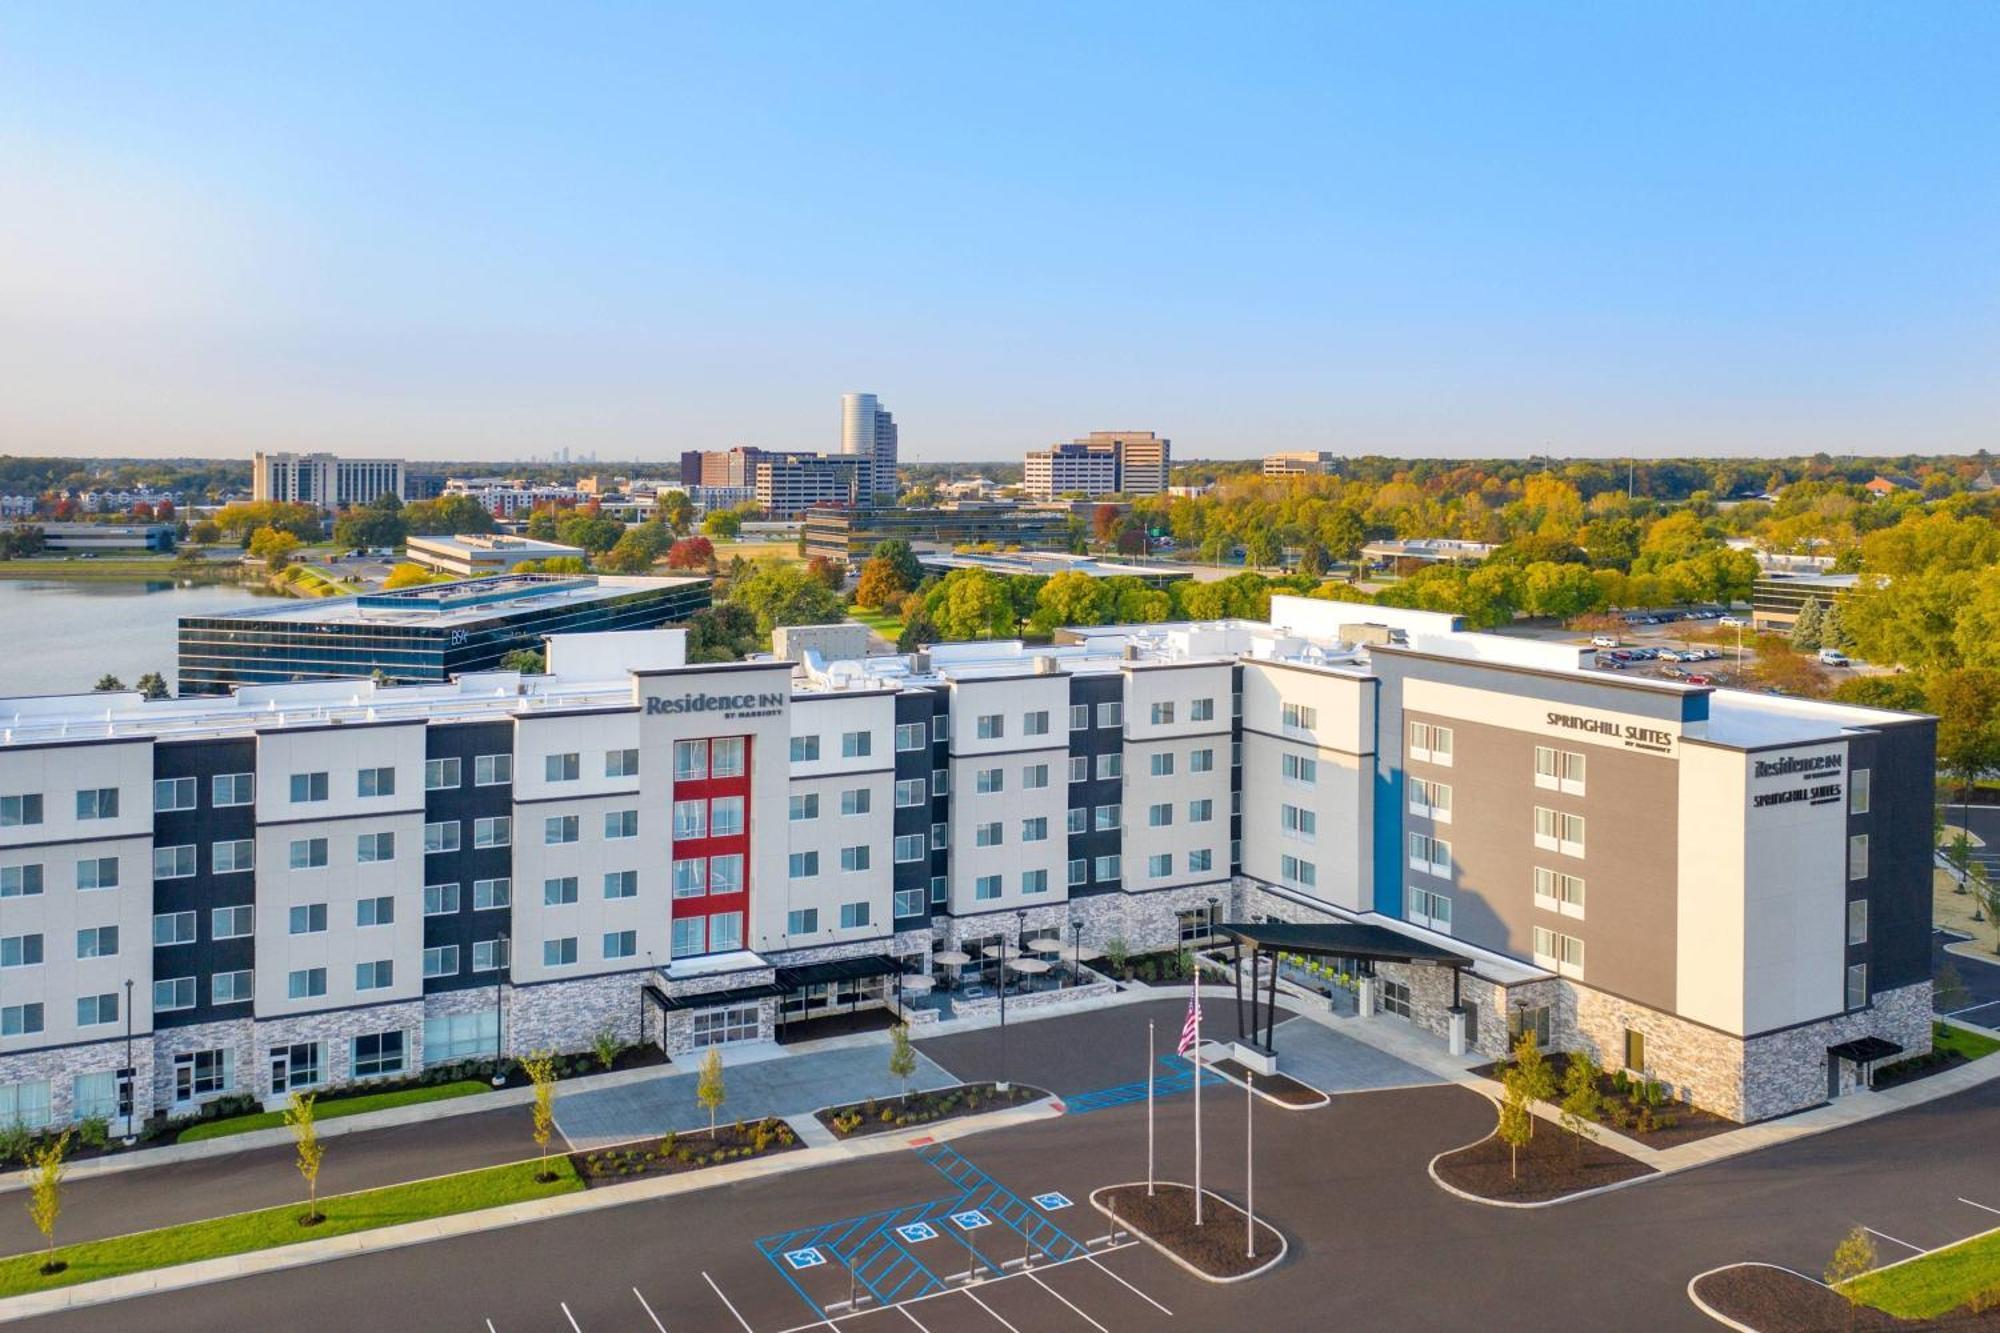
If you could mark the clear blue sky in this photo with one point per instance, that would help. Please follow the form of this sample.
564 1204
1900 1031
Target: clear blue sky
1481 229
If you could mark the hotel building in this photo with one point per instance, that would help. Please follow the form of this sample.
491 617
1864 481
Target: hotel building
311 884
324 479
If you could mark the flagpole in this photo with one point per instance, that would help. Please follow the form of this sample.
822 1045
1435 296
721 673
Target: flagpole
1196 1001
1149 1110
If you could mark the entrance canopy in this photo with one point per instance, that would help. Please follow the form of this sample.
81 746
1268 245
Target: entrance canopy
712 998
795 979
1344 939
1865 1050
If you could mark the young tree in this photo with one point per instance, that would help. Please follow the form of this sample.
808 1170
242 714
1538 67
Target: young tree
1854 1256
107 683
902 1056
540 1067
708 1090
153 685
1517 1126
305 1137
1582 1103
1537 1080
45 1193
1949 990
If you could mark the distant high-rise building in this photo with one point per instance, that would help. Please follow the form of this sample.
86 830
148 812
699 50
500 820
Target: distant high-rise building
868 430
323 479
1105 462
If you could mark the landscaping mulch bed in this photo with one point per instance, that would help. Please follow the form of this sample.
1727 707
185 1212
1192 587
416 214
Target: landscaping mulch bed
883 1115
1916 1067
1771 1300
1552 1164
678 1153
1689 1124
1216 1247
1278 1087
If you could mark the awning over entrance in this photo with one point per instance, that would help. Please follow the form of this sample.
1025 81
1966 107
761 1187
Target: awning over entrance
713 999
1345 939
1865 1050
795 979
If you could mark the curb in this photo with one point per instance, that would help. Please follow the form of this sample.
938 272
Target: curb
304 1254
1325 1097
1284 1246
1722 1318
814 1114
1431 1169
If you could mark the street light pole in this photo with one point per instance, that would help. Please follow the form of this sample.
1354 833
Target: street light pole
1075 947
499 1022
1249 1167
131 1070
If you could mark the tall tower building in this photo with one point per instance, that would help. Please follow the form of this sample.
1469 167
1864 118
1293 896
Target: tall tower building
866 429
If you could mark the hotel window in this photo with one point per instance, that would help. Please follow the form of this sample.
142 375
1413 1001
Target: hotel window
621 824
911 792
910 847
1557 892
1857 986
1299 771
1559 770
728 758
375 912
1079 819
725 817
19 811
174 794
442 774
1111 715
173 993
378 1053
1163 714
1294 822
101 872
1201 761
563 767
940 782
304 854
689 934
940 889
21 881
1109 817
1857 792
1430 855
1160 865
1160 815
1562 954
493 770
1430 799
621 763
559 891
308 788
853 915
1558 832
803 921
1201 812
1106 869
805 749
1079 768
1635 1049
1035 777
910 736
1430 743
1079 872
1429 909
986 888
1201 859
173 862
1079 717
1201 710
855 744
23 950
203 1073
691 817
1163 765
990 726
441 961
940 726
97 942
495 832
621 884
691 760
489 894
231 987
93 1010
372 847
803 808
440 899
1857 856
489 955
1300 717
940 837
620 943
1297 871
442 836
559 952
304 919
232 923
1035 724
226 789
1034 881
853 860
987 835
1110 766
22 1020
725 873
725 932
558 829
375 782
1857 921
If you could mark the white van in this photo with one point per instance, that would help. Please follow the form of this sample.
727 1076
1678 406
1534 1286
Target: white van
1832 657
1604 640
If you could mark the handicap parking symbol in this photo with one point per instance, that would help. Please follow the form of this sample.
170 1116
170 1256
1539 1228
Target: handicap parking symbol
804 1258
917 1231
1051 1202
971 1221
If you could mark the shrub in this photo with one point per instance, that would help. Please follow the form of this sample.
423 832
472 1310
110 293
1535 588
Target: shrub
95 1132
605 1047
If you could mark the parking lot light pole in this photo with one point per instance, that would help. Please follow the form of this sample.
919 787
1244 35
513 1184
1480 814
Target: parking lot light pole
1075 948
499 1022
131 1070
1249 1167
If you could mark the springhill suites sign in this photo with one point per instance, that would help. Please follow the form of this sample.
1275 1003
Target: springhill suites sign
761 704
1654 740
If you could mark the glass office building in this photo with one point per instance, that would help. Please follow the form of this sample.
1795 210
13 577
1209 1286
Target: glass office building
425 634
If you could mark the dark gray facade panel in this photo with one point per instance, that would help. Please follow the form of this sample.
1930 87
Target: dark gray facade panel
201 828
466 803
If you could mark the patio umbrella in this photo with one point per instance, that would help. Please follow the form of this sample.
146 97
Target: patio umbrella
951 958
1072 954
1032 965
1048 944
999 950
917 985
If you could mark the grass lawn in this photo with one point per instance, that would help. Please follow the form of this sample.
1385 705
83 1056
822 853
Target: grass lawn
334 1109
270 1227
883 623
1971 1045
755 550
1934 1284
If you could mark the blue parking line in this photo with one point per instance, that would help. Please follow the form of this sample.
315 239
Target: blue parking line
1178 1078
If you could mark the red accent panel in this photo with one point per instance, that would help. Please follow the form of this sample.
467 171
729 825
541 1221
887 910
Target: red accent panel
738 843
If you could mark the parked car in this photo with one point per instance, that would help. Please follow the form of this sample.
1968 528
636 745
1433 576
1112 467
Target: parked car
1832 657
1672 672
1698 679
1645 654
1730 622
1604 640
1623 655
1608 662
1675 655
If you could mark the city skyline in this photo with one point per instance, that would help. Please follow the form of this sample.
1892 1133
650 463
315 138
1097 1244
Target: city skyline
1443 233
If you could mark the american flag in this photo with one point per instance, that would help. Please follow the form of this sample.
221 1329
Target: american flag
1191 1030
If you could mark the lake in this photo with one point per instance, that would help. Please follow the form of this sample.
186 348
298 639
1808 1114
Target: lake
66 633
